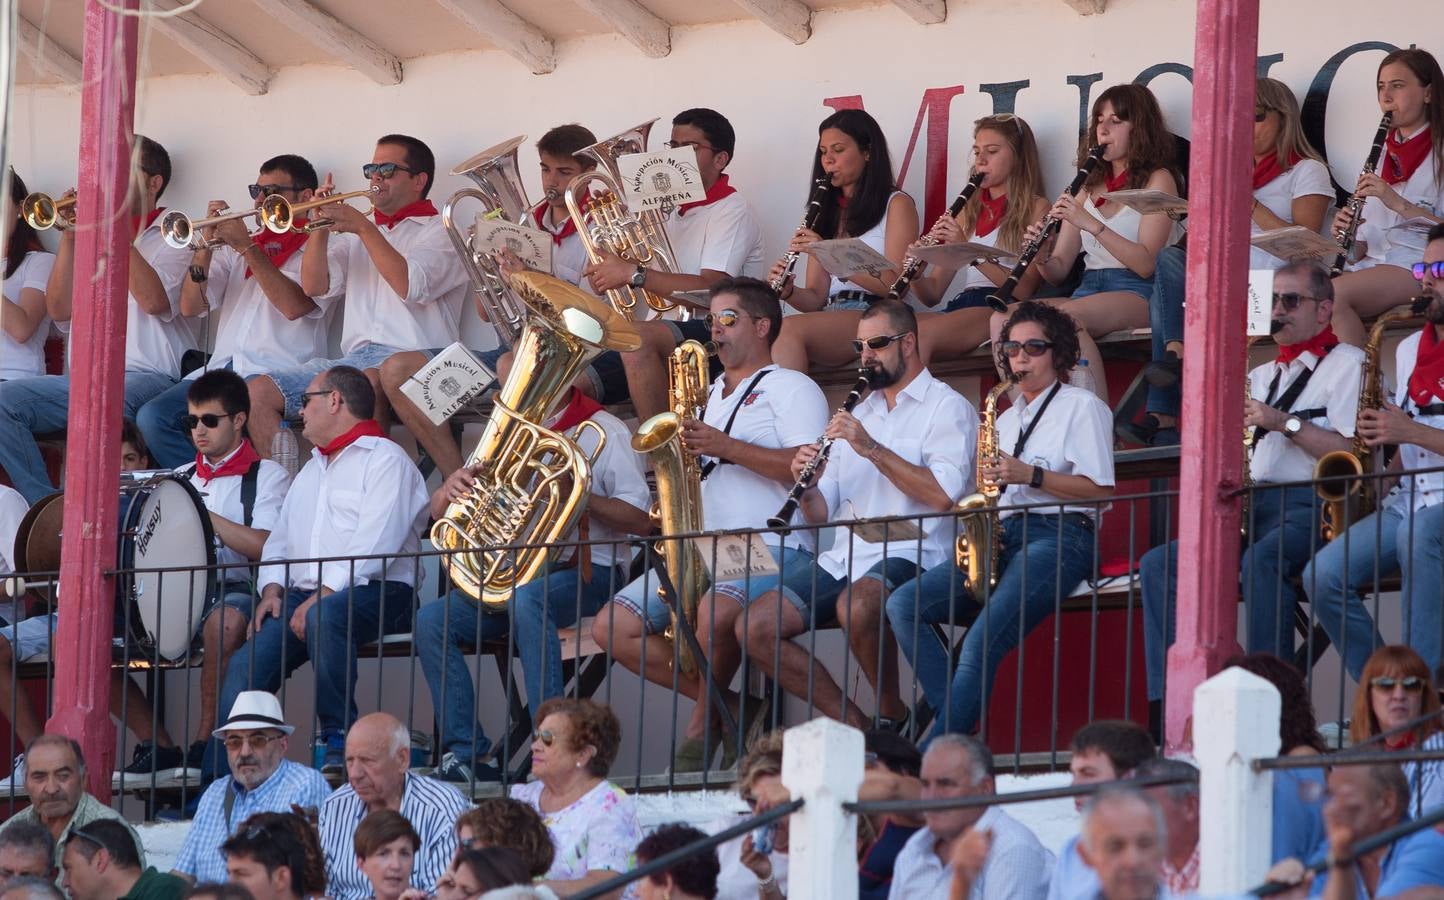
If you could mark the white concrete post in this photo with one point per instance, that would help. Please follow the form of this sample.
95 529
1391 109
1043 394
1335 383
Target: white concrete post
822 762
1235 721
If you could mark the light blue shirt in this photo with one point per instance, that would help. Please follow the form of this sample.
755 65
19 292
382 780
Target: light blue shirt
1073 879
1415 860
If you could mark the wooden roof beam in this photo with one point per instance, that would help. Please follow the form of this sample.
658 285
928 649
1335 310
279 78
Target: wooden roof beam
504 28
789 18
207 43
337 38
647 32
924 12
46 56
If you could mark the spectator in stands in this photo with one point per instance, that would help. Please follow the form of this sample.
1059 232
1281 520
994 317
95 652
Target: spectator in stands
593 822
893 765
22 309
511 825
212 890
746 872
256 737
29 887
476 871
378 756
1397 706
276 856
26 848
1179 805
957 765
694 878
1123 842
102 860
1105 750
359 495
55 782
386 846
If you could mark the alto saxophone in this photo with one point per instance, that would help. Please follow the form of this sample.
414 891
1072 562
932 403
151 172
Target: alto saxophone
980 532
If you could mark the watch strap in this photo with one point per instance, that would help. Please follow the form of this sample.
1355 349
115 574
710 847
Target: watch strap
1037 480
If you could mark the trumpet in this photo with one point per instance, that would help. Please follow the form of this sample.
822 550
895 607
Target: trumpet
820 187
912 266
277 213
1346 235
183 233
41 211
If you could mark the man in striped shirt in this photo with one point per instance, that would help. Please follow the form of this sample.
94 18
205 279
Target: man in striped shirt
378 754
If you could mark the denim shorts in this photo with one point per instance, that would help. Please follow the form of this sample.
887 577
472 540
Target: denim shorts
813 586
972 298
608 378
238 595
1101 281
292 383
29 638
640 597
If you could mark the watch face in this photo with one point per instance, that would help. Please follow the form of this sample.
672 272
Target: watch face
1293 425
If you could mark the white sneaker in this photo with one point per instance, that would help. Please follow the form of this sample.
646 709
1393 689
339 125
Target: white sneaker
15 783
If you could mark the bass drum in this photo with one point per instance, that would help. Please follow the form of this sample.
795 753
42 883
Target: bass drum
164 525
37 540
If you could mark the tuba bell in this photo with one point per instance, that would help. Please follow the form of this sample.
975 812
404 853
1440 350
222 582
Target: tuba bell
532 482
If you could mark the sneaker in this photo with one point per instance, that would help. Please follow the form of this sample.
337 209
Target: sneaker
15 782
150 758
691 756
454 771
333 758
196 754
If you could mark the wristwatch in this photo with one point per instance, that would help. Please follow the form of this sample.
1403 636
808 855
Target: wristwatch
199 274
639 277
1037 480
1292 425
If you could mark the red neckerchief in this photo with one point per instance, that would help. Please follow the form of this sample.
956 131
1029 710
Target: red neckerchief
135 225
366 428
418 209
1319 345
569 227
1427 379
1112 183
990 214
1400 741
1401 158
1268 168
579 408
239 463
281 247
719 189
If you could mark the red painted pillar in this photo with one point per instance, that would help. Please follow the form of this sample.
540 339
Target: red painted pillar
1225 50
97 367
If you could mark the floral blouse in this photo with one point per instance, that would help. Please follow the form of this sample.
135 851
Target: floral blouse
599 831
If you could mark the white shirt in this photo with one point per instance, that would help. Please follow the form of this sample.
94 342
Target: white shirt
253 336
569 257
1308 178
222 496
1334 388
875 237
617 474
1018 865
429 316
12 509
368 499
784 409
1399 248
1125 222
1074 437
1428 489
722 236
734 880
932 425
25 360
156 343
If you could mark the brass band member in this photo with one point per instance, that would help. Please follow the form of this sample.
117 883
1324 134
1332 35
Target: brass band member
24 323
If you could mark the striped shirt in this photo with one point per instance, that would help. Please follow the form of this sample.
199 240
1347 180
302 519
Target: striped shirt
431 807
200 855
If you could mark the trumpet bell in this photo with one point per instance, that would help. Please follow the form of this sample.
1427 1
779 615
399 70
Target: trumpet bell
41 211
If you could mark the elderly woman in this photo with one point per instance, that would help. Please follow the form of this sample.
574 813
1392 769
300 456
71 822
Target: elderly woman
694 878
1395 689
593 823
386 846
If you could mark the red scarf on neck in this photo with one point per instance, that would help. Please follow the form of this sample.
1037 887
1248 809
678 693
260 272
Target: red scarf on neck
281 247
579 408
1400 741
1427 380
1319 345
1268 168
418 209
366 428
1112 183
569 227
990 212
239 463
1401 158
135 225
719 189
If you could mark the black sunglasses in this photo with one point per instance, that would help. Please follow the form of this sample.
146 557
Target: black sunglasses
878 342
1411 683
86 835
1290 300
385 170
210 420
266 190
1033 347
307 395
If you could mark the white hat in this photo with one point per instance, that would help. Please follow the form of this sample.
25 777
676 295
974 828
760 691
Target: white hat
254 709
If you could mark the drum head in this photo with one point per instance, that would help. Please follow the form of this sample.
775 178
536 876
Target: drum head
167 526
37 540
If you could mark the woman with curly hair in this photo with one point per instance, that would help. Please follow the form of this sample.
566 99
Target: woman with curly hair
511 825
1395 690
694 878
1055 459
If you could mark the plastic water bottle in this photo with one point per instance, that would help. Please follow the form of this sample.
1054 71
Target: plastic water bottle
1081 377
284 448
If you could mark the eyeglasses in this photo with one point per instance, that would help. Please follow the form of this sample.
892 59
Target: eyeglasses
85 835
266 190
677 145
234 742
385 170
1290 301
307 395
1034 347
258 831
1411 684
1260 114
1435 269
546 737
726 318
878 342
210 420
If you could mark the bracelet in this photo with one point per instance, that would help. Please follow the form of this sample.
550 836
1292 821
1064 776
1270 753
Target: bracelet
1101 228
765 883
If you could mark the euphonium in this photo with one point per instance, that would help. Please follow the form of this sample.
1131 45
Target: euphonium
980 532
532 483
679 485
607 224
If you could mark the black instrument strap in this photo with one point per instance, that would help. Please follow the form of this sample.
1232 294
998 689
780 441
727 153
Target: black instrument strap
727 429
1283 404
248 492
1433 409
1028 432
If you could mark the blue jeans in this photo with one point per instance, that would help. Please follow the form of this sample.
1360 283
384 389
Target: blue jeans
1285 528
1165 315
1044 558
1346 565
457 623
31 406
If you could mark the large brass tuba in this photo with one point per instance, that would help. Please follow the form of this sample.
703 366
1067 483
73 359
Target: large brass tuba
531 482
605 223
679 484
980 533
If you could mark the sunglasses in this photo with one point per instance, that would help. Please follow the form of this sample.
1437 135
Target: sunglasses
879 342
234 742
726 318
1411 683
210 420
87 836
1033 347
1290 301
307 395
546 737
266 190
1260 114
385 170
1434 269
677 145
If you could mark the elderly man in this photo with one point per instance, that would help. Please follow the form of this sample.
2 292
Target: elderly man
26 848
378 754
30 887
102 861
1017 866
1123 842
1179 805
55 781
262 780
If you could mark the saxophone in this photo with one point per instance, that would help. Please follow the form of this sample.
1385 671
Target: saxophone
679 485
979 526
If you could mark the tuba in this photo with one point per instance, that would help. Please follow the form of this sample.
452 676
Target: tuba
980 534
531 482
679 485
500 190
605 222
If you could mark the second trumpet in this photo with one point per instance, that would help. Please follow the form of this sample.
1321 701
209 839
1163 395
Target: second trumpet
278 214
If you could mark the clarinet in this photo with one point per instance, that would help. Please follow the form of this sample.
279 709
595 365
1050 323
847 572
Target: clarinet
998 300
912 266
820 187
1346 235
809 471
